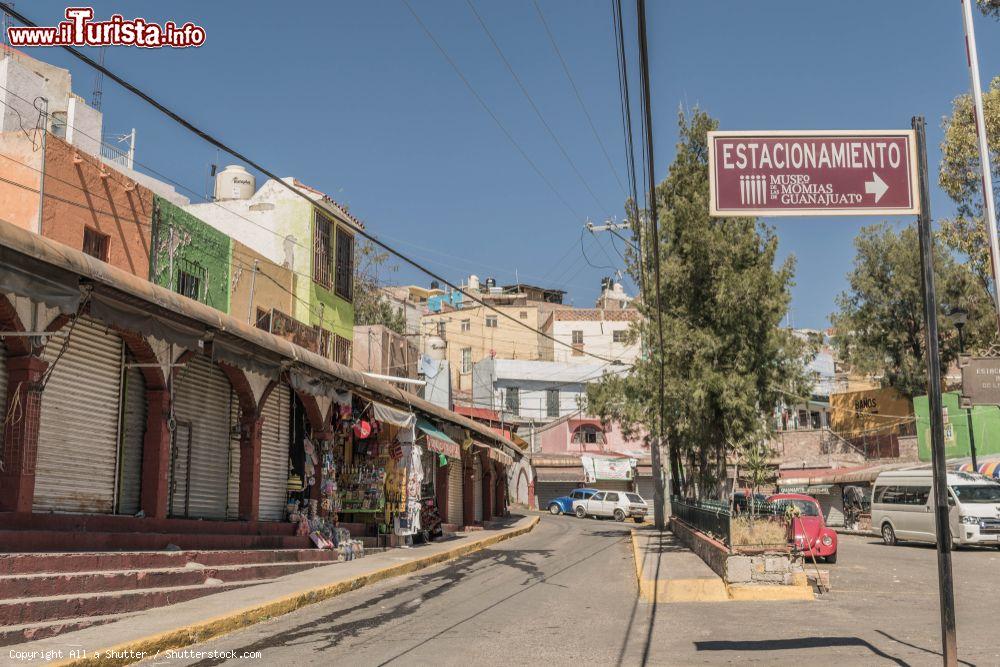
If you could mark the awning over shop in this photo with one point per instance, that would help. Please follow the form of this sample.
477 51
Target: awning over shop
42 269
643 471
989 468
438 441
545 474
494 454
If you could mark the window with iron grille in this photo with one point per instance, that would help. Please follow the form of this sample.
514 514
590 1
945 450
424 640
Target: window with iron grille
342 351
467 360
577 337
324 343
513 400
618 336
552 402
190 278
466 325
491 321
322 259
96 244
345 265
263 319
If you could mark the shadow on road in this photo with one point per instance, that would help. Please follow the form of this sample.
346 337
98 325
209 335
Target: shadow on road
331 630
796 643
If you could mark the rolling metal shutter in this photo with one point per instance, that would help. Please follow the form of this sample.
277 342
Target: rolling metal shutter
201 441
133 433
3 380
455 478
477 490
233 502
644 487
78 427
549 491
613 485
275 440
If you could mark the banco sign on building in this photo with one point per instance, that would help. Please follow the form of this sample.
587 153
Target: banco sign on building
860 172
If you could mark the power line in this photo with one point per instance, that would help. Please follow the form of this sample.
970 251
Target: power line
651 204
488 110
535 108
240 156
579 98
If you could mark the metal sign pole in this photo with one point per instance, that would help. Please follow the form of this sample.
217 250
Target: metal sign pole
949 646
989 206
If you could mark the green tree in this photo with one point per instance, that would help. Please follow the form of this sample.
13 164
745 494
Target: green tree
727 361
370 303
960 177
880 321
989 8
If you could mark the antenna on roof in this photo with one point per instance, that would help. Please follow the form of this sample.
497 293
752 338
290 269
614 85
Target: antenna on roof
95 97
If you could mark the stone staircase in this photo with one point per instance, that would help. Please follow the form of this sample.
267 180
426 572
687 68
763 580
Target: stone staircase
45 594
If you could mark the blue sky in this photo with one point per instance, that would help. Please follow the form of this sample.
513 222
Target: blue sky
354 98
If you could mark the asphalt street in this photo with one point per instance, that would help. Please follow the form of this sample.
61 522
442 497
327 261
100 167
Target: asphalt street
565 594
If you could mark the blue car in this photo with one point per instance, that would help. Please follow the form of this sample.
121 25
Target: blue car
564 504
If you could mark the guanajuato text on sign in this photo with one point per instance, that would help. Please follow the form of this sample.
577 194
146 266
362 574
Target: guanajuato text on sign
860 172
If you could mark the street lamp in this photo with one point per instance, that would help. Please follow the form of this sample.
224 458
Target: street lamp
959 317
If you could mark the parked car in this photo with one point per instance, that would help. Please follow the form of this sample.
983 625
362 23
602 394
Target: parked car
617 504
903 507
564 504
809 532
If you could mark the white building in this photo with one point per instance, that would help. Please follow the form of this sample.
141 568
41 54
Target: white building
29 86
534 391
586 331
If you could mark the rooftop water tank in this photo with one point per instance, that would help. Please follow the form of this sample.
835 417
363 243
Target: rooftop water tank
234 182
474 282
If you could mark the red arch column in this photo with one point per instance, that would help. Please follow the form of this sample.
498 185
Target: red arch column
251 430
489 485
20 432
468 493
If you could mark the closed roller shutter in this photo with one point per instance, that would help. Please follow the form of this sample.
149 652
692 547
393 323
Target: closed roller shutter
644 485
78 427
455 478
549 491
133 433
477 490
613 485
201 470
3 376
233 502
275 441
831 503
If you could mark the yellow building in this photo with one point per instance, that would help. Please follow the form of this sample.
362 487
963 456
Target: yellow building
468 335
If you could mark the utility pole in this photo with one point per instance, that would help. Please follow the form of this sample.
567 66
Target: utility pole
661 504
972 58
946 593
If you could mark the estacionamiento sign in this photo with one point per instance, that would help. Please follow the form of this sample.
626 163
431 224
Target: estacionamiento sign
980 380
837 172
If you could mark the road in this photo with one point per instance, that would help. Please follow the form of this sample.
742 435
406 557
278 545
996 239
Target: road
565 595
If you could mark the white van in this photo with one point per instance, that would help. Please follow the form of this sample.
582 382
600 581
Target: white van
903 507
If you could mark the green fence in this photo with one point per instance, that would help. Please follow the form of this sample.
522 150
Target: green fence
755 525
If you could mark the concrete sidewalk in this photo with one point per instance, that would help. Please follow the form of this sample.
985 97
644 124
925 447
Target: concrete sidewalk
142 635
667 571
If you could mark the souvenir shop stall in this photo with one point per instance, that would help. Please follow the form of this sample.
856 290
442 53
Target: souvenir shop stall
371 471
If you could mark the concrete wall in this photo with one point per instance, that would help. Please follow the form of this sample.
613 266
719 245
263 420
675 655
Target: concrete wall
813 448
272 287
558 439
22 165
181 239
81 192
378 349
985 426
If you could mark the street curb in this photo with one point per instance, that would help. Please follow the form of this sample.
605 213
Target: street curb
199 632
710 590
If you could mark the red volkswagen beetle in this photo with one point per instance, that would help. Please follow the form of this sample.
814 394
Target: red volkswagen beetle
811 536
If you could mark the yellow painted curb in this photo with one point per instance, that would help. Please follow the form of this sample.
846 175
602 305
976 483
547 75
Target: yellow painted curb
199 632
757 593
713 589
675 590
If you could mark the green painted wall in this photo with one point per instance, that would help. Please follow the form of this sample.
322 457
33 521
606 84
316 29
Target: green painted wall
338 315
195 244
985 428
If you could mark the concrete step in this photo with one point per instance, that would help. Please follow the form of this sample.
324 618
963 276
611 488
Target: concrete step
46 540
49 584
110 523
17 634
34 563
24 611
